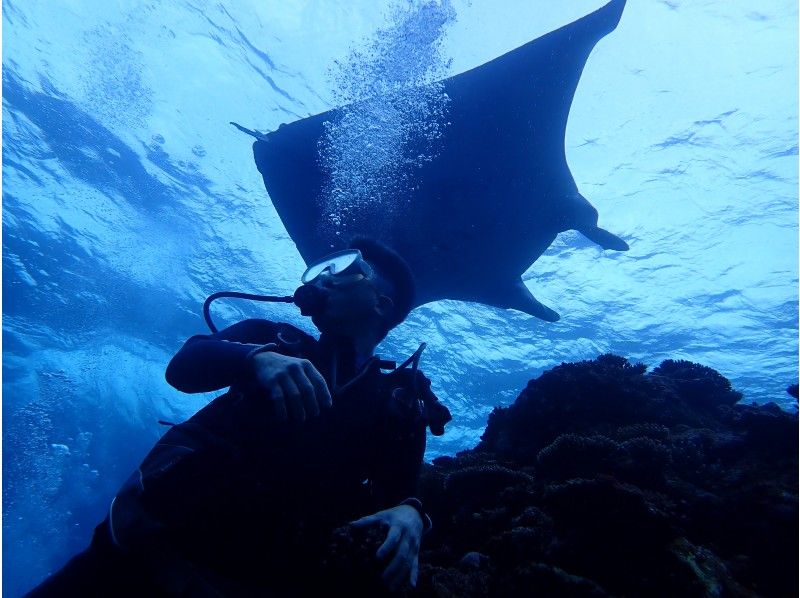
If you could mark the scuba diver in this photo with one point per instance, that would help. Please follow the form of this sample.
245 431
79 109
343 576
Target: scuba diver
241 499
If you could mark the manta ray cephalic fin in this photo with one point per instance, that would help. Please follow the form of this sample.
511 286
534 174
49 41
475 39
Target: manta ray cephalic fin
584 220
517 296
603 238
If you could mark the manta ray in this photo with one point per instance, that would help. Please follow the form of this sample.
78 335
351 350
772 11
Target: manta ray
496 192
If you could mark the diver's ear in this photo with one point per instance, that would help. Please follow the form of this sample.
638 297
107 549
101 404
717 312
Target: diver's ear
384 306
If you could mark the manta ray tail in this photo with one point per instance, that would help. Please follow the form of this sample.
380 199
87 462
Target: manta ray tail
518 297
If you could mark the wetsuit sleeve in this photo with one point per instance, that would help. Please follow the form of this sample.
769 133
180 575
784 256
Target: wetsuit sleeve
209 362
397 483
396 479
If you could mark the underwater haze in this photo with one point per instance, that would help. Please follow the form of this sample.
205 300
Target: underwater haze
128 198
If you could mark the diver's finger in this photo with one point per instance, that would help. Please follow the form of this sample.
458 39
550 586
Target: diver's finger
396 573
364 521
294 404
307 394
321 391
390 544
414 571
278 402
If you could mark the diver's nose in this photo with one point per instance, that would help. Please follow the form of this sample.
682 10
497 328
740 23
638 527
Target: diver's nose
325 280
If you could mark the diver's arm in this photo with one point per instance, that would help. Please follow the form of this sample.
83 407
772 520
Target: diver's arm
209 362
397 478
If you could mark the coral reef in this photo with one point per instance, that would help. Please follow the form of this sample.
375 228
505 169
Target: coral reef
604 479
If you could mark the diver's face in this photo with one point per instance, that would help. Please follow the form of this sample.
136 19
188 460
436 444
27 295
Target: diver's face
351 304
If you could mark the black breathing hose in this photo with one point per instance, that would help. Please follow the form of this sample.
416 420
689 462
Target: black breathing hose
236 295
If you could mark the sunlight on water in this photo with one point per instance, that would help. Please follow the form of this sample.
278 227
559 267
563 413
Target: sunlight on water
128 198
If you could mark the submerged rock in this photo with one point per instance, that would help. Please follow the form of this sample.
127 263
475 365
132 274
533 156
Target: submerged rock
604 479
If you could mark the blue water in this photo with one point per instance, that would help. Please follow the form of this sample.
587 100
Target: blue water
127 198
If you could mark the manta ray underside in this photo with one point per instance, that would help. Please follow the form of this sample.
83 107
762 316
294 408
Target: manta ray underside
495 195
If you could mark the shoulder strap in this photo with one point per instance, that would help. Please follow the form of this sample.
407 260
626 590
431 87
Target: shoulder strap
436 415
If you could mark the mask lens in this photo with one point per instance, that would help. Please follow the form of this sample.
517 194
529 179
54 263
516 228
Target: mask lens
335 263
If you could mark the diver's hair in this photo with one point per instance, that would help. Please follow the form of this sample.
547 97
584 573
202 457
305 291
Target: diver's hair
394 270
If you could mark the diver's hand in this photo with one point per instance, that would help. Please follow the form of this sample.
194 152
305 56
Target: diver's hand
294 386
401 545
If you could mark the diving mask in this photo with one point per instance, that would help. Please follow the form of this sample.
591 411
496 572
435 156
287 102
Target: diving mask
344 266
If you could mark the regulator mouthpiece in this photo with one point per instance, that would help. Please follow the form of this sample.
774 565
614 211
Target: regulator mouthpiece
310 299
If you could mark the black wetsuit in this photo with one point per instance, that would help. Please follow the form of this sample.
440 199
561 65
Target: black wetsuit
232 501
